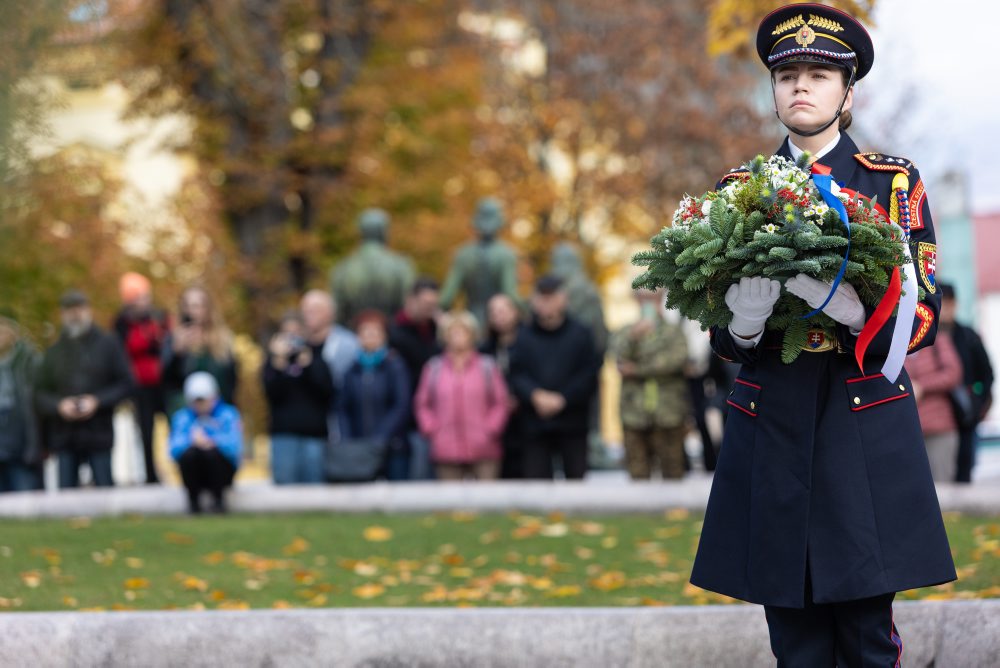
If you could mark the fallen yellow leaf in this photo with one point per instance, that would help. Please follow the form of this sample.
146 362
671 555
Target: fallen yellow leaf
178 538
217 595
368 590
304 577
297 546
589 528
376 534
233 605
31 579
677 514
608 581
435 595
192 583
281 605
557 530
134 562
137 583
214 558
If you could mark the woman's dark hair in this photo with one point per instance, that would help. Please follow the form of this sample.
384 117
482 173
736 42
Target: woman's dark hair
370 316
845 119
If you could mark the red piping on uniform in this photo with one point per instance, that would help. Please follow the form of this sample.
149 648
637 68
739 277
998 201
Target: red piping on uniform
862 378
743 382
741 408
897 640
876 403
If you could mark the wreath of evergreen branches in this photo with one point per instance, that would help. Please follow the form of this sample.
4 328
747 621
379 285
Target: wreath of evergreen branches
697 263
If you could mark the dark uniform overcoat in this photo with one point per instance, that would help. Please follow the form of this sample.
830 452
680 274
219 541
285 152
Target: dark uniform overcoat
823 472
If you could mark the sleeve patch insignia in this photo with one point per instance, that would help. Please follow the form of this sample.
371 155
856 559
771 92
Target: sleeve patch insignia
926 318
927 263
883 163
917 199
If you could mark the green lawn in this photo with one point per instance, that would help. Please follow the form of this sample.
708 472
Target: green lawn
323 560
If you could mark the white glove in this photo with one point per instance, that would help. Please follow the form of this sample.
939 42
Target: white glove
844 307
751 301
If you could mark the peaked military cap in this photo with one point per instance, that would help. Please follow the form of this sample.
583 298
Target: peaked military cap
814 33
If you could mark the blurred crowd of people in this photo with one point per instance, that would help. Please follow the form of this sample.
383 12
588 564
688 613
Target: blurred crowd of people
407 391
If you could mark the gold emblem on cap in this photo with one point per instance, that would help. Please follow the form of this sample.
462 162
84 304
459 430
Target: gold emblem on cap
820 22
824 23
805 36
789 24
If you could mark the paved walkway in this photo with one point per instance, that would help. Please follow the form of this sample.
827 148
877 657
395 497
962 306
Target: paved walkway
602 492
952 634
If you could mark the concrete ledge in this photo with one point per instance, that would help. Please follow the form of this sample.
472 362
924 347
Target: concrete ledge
961 634
605 495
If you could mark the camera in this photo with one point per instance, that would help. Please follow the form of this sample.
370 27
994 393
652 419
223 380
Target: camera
296 345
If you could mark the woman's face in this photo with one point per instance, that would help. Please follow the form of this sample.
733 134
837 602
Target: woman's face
371 336
806 95
8 337
459 339
194 304
502 314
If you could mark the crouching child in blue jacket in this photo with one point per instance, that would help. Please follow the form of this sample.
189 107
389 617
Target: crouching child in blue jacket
206 441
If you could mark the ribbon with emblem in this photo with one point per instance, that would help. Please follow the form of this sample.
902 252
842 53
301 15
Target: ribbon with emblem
899 214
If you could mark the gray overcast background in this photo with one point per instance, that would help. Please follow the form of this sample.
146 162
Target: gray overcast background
934 94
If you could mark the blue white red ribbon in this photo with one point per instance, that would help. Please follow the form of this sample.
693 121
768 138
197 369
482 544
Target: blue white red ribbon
823 179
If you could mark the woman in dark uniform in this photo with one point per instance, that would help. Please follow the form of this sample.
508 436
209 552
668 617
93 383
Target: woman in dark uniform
823 506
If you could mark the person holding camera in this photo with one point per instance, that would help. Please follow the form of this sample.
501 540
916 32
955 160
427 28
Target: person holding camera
83 377
299 389
200 342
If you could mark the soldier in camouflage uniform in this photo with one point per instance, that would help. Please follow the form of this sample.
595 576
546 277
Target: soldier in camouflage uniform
372 277
651 356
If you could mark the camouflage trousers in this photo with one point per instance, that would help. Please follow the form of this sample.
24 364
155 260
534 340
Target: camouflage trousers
662 444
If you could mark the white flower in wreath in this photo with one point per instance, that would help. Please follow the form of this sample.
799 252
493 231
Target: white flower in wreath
771 228
706 207
817 211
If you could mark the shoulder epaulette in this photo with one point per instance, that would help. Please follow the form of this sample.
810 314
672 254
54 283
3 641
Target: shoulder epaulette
879 162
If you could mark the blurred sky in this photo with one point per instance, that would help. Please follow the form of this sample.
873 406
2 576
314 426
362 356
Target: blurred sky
933 95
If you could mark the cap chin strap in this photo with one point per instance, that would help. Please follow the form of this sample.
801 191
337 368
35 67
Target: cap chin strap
813 133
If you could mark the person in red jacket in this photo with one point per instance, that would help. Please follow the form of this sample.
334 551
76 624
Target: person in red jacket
142 330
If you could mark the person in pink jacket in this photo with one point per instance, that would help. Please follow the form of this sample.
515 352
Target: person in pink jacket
461 404
935 372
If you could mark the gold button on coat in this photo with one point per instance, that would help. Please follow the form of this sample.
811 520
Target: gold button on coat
753 406
857 400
